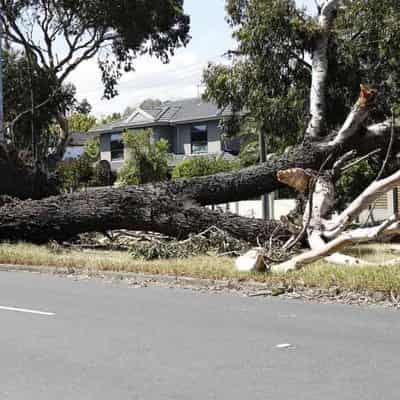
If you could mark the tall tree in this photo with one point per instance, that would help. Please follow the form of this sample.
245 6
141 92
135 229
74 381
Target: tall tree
31 105
58 35
351 42
271 72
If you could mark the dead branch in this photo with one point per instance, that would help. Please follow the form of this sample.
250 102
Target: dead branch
355 236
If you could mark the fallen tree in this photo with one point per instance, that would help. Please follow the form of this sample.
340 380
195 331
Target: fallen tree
147 208
176 208
172 208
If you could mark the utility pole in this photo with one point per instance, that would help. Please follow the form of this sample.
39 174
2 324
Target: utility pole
265 211
2 136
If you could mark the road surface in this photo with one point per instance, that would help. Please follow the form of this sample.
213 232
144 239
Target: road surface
62 339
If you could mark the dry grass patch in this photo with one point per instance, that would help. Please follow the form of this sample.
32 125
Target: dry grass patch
319 275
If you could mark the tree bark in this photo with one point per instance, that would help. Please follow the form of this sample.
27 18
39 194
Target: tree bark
144 208
58 153
327 14
255 181
171 207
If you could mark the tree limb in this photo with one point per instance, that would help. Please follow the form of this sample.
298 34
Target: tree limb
326 18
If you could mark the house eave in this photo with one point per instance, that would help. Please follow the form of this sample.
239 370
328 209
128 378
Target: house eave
196 120
121 128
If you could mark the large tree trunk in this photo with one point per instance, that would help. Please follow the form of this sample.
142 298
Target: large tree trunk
145 208
173 207
255 181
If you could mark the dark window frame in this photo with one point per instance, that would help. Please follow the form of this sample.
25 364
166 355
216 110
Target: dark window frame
117 147
199 145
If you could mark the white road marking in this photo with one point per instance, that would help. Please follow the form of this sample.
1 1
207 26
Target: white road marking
285 346
24 310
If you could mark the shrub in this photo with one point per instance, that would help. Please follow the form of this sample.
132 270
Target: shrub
92 149
146 161
202 166
102 175
352 183
81 173
128 174
75 174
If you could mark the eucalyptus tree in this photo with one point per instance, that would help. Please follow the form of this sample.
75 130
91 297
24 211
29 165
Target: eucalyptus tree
59 35
25 120
297 74
352 96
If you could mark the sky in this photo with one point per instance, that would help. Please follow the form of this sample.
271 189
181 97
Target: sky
181 78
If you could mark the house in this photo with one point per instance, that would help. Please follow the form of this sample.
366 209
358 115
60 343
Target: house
76 144
190 126
192 129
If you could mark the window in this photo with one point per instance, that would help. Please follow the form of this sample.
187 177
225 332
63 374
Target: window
199 139
117 147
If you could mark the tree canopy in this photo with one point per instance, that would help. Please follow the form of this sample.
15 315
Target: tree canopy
61 34
31 102
270 73
56 36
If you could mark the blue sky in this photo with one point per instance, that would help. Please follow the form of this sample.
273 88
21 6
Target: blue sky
211 37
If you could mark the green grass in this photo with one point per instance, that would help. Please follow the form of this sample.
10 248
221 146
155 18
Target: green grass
318 275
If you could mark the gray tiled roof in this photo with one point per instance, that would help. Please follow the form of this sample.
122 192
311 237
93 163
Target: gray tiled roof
168 113
171 113
193 109
154 112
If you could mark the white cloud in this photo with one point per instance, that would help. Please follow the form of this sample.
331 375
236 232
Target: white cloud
152 79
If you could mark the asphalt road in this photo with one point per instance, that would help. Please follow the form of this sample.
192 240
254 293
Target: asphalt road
110 342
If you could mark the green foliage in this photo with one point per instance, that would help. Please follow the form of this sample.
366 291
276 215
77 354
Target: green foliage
83 172
108 119
83 107
146 161
365 49
74 174
24 82
128 174
352 183
121 29
92 149
79 122
269 77
101 175
203 166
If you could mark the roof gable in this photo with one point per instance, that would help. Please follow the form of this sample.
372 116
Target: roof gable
169 113
138 116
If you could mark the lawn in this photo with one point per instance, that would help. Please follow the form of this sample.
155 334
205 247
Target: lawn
319 275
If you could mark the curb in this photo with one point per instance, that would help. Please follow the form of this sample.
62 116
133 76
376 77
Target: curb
145 278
